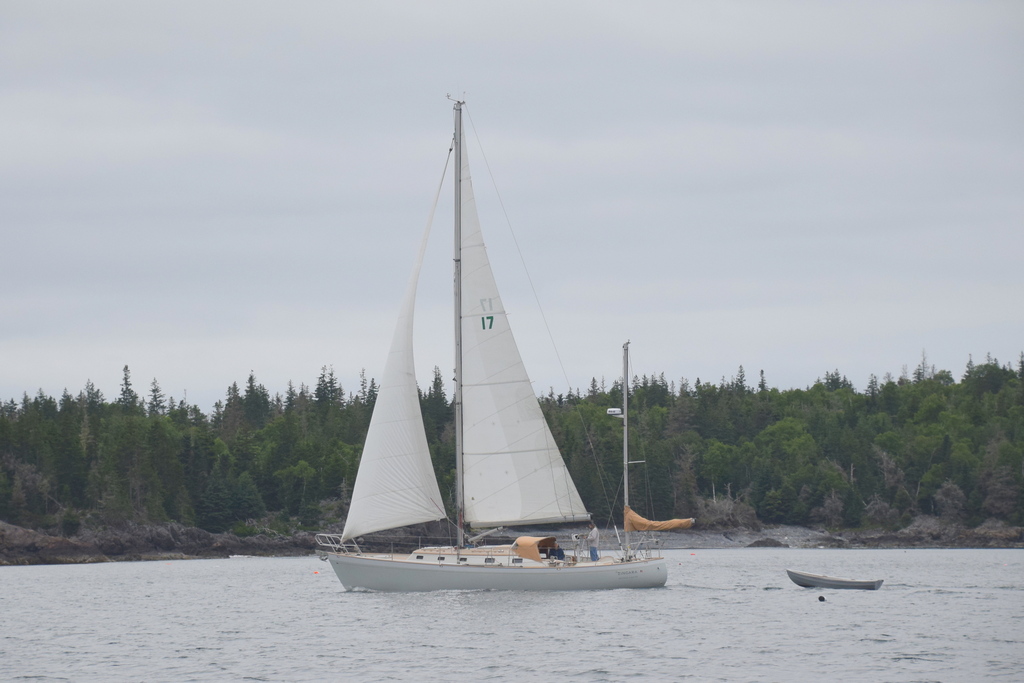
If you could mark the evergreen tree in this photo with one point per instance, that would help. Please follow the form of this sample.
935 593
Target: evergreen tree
128 400
740 382
256 403
247 502
328 392
156 405
214 513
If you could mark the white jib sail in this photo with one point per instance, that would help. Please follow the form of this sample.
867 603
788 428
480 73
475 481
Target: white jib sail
396 485
513 472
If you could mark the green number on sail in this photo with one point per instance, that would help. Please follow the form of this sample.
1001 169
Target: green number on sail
487 322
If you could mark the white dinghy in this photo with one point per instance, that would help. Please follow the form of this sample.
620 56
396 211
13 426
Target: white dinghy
819 581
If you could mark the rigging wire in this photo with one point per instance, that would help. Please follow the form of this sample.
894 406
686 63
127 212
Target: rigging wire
423 246
641 431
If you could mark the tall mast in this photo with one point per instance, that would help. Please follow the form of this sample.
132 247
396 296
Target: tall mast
459 493
625 441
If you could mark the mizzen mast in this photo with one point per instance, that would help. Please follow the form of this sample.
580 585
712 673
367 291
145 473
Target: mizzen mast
625 442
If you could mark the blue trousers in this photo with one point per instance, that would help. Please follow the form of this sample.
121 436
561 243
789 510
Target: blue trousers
593 554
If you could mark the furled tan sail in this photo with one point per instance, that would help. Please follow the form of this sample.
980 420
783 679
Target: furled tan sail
634 522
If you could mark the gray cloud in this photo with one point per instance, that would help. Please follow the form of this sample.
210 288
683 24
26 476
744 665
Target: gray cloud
199 191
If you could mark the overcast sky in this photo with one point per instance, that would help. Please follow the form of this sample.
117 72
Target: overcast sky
200 190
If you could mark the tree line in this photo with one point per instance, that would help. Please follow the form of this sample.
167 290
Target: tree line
726 452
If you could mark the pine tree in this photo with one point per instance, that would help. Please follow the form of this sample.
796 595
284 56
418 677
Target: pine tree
256 403
290 397
923 371
156 405
739 384
247 502
213 512
328 392
232 417
128 400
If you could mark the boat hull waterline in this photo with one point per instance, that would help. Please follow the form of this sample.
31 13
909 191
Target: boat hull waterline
382 573
805 580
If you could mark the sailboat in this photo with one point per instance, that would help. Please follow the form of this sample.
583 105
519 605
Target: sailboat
508 468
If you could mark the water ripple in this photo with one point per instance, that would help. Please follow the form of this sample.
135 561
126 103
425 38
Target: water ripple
731 615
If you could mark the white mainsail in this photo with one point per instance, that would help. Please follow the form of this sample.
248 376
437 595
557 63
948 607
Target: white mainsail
396 485
513 471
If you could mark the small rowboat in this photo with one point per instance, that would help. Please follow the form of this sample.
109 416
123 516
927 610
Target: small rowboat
818 581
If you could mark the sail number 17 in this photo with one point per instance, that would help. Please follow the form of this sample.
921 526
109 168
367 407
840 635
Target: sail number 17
487 321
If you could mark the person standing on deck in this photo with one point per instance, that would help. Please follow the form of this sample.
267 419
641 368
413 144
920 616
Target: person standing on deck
592 540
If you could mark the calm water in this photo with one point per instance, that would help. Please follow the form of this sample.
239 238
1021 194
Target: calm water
733 615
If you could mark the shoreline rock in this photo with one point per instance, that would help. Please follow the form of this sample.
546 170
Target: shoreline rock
924 532
20 546
133 542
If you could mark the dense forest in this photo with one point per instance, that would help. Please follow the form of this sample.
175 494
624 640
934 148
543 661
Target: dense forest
727 452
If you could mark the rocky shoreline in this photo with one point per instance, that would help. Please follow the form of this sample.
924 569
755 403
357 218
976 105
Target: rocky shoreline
20 546
924 532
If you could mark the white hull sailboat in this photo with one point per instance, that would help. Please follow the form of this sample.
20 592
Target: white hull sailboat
508 468
404 573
